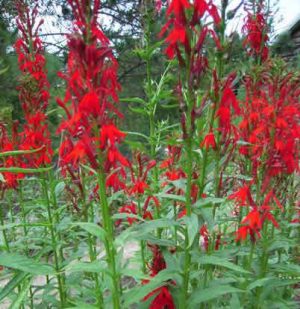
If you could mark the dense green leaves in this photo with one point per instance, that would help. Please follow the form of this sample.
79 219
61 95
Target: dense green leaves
204 295
25 264
221 262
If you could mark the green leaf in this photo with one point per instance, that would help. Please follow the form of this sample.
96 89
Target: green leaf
125 216
12 284
21 295
88 168
288 269
92 267
93 229
149 226
2 71
208 201
19 152
138 110
137 134
173 197
204 295
83 306
59 188
155 240
213 260
283 282
2 179
13 225
259 283
17 170
192 225
25 264
137 274
133 100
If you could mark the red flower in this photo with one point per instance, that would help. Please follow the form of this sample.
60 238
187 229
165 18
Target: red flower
177 7
163 300
139 175
139 187
129 209
209 141
205 237
242 233
253 219
242 196
110 135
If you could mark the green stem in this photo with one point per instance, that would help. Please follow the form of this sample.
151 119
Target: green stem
92 247
24 221
53 240
188 205
142 242
5 238
109 242
59 236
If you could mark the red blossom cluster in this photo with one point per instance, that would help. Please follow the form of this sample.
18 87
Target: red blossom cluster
163 298
185 39
270 132
138 187
9 143
180 27
33 95
253 222
89 132
270 124
256 31
33 88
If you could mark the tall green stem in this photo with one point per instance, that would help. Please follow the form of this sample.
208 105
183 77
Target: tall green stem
24 222
92 246
188 205
5 238
142 242
54 244
109 242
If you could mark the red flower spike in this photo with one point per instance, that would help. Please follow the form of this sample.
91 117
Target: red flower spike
256 29
33 88
90 101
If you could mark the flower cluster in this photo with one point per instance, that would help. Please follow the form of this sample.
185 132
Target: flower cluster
7 144
269 130
33 87
255 30
89 132
34 95
135 205
185 41
163 298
